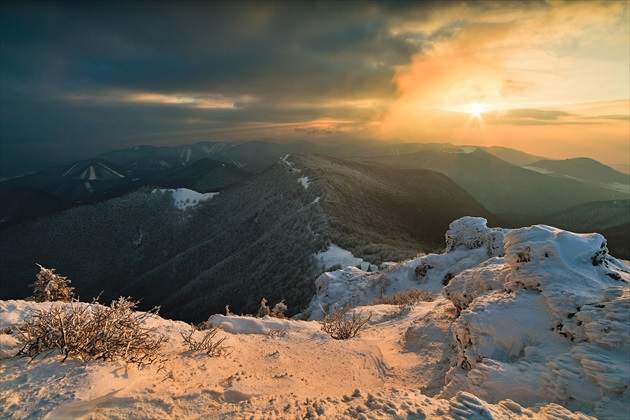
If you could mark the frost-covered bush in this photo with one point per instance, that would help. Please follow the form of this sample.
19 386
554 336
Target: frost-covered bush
92 332
277 312
405 297
340 325
208 344
51 287
404 300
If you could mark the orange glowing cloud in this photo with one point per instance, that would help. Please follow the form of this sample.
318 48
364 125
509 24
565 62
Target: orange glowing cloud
513 59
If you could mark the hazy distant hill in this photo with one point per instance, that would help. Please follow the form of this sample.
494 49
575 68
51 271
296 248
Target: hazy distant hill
255 239
610 218
382 150
584 169
592 217
503 187
151 158
513 156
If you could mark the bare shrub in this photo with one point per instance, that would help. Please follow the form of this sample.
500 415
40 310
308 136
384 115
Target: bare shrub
51 287
92 332
207 344
341 325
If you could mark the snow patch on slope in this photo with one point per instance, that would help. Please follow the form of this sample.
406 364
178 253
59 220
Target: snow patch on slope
185 198
304 181
334 255
617 186
537 169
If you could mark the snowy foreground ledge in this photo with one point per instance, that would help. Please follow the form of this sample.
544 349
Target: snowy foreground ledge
531 323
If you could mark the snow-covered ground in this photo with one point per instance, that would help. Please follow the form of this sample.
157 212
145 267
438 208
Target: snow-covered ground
532 323
184 198
334 255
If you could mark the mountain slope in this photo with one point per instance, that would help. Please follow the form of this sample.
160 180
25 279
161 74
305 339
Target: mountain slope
203 175
19 203
502 187
592 217
255 239
84 181
384 205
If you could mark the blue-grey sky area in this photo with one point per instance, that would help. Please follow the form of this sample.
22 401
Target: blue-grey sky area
82 78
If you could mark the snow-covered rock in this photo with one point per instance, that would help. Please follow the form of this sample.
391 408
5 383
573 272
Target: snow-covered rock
469 243
549 322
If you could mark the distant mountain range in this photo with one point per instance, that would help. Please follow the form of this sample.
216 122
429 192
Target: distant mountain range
506 181
502 187
107 224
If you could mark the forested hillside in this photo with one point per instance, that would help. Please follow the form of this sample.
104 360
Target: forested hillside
255 239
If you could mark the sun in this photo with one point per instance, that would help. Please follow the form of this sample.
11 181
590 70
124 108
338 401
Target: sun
476 109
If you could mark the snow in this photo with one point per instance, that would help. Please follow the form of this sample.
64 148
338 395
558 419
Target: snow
185 198
617 186
532 323
285 160
249 325
304 181
316 199
469 243
88 187
466 149
111 170
89 173
334 255
537 169
69 170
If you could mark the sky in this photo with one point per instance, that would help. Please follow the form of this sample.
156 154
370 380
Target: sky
81 78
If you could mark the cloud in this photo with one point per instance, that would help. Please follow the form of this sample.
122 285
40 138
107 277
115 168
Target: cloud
510 56
93 75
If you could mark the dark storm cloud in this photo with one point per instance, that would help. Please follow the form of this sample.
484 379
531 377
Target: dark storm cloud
175 47
70 70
